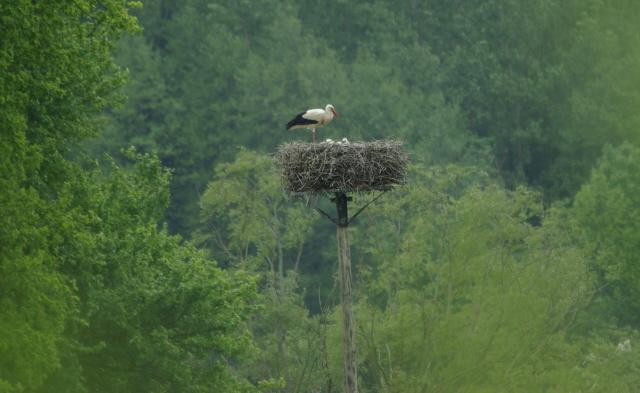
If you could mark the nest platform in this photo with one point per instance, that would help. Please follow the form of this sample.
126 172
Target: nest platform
327 167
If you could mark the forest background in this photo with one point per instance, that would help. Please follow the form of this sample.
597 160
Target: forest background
146 244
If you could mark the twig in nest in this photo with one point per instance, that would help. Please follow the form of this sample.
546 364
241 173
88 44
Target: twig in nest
323 168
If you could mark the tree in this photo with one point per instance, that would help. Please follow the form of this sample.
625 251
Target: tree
477 299
252 225
154 314
209 77
600 66
55 74
607 219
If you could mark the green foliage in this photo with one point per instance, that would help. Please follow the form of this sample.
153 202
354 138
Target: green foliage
250 220
607 217
55 73
155 314
248 215
93 295
35 299
600 66
546 83
227 75
477 299
531 90
464 280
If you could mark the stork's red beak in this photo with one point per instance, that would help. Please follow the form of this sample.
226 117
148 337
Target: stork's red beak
335 113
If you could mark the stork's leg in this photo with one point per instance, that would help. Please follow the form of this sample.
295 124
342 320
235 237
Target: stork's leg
313 135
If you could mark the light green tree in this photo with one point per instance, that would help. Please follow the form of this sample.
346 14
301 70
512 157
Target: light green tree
252 225
476 298
606 214
56 72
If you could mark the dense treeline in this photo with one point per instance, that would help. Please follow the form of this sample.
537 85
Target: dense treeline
509 262
531 92
94 295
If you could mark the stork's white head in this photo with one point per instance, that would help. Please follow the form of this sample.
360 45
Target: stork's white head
330 108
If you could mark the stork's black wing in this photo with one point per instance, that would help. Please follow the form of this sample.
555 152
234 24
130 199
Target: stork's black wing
300 121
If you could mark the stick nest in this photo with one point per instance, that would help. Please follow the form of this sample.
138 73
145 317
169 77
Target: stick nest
328 167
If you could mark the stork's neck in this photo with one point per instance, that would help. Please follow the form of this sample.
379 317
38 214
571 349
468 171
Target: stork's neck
328 113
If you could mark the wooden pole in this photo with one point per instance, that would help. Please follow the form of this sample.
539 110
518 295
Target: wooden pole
348 324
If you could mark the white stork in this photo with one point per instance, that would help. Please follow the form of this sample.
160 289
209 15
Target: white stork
313 119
